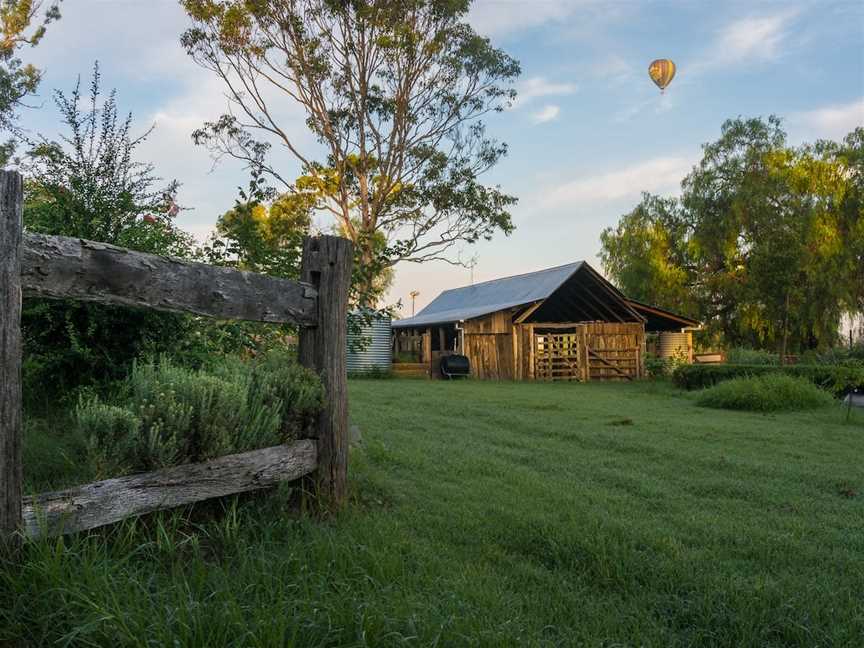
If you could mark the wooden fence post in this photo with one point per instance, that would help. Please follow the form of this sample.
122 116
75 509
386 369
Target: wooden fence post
326 264
11 418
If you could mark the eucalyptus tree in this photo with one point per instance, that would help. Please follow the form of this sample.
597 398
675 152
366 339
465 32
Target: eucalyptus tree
394 92
22 24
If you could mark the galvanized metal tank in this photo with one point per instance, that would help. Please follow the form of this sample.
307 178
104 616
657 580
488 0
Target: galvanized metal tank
370 348
675 346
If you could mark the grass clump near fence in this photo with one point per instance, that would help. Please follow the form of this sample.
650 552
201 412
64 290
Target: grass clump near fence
836 379
768 393
165 415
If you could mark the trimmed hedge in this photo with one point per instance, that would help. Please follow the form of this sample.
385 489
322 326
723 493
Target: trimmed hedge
836 379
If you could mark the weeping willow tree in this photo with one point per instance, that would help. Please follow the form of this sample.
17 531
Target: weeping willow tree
764 245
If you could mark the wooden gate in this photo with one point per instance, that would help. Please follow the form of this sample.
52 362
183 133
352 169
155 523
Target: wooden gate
593 351
560 356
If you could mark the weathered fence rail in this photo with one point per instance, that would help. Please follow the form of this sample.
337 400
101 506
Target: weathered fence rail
103 502
66 268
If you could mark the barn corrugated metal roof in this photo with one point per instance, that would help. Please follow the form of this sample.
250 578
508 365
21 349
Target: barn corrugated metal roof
490 296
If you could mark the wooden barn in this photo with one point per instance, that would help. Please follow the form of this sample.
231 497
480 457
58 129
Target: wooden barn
563 323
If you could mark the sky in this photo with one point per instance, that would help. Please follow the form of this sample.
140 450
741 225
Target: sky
588 133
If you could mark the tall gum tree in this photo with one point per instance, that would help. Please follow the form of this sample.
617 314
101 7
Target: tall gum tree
394 91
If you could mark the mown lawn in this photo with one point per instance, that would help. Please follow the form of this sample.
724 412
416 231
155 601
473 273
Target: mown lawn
496 515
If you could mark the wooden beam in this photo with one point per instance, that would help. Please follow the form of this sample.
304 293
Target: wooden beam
11 461
612 291
528 312
104 502
326 263
599 303
59 267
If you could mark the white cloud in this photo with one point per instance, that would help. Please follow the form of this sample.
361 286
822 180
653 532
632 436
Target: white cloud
500 18
546 114
538 87
614 69
758 39
828 122
657 175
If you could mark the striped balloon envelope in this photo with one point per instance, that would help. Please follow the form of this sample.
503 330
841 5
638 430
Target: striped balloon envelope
661 71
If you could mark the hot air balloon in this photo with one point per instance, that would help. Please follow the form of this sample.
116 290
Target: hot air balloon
661 71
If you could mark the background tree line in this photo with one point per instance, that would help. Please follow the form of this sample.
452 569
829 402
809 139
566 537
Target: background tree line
765 245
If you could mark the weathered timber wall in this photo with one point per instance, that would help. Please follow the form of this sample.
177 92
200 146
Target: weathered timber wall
62 267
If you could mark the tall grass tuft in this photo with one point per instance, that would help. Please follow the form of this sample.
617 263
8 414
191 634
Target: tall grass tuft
766 393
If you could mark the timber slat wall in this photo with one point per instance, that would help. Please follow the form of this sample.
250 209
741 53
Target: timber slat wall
500 349
65 268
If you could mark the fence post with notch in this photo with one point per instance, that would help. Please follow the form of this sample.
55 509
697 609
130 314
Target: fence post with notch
327 263
11 417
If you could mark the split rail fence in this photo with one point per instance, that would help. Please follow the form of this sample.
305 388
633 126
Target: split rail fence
66 268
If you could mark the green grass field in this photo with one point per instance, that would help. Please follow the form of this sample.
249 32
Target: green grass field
489 514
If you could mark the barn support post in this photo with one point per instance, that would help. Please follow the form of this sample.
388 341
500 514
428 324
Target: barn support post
11 417
327 264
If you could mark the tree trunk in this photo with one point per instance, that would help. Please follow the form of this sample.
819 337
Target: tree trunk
785 331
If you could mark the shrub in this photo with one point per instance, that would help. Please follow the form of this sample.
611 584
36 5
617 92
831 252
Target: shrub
656 367
835 379
164 415
112 435
768 393
744 356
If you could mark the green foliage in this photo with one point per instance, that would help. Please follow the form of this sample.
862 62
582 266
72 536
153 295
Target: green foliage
772 392
20 26
837 356
835 379
745 356
89 185
766 244
403 138
165 415
259 237
657 367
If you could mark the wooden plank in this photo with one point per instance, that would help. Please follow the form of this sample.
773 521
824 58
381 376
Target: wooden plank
326 263
528 312
11 461
59 267
104 502
609 364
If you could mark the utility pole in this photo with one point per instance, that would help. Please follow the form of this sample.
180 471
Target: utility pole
414 294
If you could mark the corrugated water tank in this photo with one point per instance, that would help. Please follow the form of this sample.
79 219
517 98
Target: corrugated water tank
675 345
370 347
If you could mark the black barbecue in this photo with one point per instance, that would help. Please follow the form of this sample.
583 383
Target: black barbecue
455 366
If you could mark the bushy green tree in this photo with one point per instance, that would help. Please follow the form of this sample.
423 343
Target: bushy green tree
764 244
88 184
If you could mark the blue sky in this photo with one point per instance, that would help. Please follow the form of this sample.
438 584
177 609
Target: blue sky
587 135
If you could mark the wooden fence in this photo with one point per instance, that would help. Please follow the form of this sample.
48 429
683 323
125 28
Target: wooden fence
66 268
